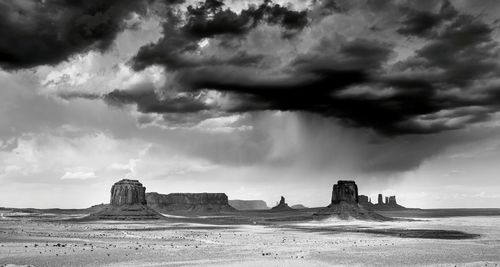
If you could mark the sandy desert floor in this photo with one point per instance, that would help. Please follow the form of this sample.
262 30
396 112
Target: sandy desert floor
25 240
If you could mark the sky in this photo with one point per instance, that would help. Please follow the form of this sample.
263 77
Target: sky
256 99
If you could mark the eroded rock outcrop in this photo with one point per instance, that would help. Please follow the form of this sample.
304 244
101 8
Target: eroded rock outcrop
344 204
282 206
193 202
389 204
248 204
128 202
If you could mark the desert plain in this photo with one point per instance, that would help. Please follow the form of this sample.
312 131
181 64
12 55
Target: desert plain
254 238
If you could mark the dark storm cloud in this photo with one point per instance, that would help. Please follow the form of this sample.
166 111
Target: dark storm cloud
144 97
212 19
148 101
48 32
318 78
421 23
360 54
446 82
458 54
74 95
462 49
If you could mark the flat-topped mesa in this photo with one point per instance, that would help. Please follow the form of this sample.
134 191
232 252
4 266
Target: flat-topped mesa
346 191
192 202
128 192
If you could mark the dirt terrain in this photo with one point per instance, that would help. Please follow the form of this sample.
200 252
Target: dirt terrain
258 238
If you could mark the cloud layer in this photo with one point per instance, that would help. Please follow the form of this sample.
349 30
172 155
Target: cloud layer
230 93
397 67
48 32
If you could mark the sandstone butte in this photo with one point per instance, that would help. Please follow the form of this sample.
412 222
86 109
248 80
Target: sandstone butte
345 204
128 202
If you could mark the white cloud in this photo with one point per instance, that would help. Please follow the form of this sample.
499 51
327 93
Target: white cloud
79 175
224 124
96 72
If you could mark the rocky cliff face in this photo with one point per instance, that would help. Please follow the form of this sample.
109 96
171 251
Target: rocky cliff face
128 192
248 204
346 191
196 202
128 202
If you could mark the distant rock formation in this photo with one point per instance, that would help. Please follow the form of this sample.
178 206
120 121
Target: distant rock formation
192 202
128 202
389 204
345 204
282 206
346 191
298 206
248 204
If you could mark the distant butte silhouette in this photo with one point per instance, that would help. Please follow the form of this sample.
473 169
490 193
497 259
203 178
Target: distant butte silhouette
282 206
